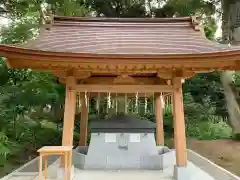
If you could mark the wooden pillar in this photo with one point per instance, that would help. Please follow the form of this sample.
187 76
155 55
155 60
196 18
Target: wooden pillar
179 124
84 120
69 112
159 119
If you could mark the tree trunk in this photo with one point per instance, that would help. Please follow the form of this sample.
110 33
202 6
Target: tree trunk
232 105
226 77
225 21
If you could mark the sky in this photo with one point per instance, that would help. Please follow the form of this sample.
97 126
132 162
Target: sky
3 21
219 31
219 23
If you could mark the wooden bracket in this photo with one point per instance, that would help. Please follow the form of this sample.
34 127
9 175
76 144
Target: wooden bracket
237 67
184 74
124 79
71 83
165 75
70 72
177 83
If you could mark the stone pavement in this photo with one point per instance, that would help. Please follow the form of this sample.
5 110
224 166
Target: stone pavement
123 175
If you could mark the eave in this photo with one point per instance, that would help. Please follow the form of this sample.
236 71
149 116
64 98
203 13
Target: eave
46 60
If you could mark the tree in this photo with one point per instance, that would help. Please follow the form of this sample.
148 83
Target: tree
227 77
118 8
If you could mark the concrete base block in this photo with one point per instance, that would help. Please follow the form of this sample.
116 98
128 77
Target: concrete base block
150 162
61 171
181 173
160 149
191 172
78 159
168 159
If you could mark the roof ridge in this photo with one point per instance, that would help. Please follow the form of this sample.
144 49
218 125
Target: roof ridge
106 19
74 20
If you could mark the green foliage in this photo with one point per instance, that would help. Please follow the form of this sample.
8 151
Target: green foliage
19 31
236 78
237 136
209 130
202 121
206 89
4 147
3 72
118 8
68 8
186 8
210 27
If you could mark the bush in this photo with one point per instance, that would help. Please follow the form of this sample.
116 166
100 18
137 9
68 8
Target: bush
209 130
236 137
4 148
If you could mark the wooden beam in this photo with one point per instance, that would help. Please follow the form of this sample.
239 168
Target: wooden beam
69 112
78 74
25 58
84 121
159 119
119 80
179 124
123 88
122 95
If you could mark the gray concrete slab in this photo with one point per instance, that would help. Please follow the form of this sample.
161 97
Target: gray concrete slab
123 175
34 166
199 168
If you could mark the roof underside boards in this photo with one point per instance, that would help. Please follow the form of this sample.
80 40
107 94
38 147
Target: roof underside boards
123 36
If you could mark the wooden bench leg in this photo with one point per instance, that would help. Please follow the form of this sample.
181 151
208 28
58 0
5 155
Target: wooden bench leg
40 167
65 166
45 166
70 164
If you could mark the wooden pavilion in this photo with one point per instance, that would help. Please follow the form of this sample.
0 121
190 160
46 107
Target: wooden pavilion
138 55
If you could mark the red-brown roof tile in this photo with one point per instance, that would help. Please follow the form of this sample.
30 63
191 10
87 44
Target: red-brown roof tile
124 36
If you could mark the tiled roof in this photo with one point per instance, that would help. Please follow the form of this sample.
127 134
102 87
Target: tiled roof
124 36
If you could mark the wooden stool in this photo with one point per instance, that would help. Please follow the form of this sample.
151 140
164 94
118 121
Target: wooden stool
64 151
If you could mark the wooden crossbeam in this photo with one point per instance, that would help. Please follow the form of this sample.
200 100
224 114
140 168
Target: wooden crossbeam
123 88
